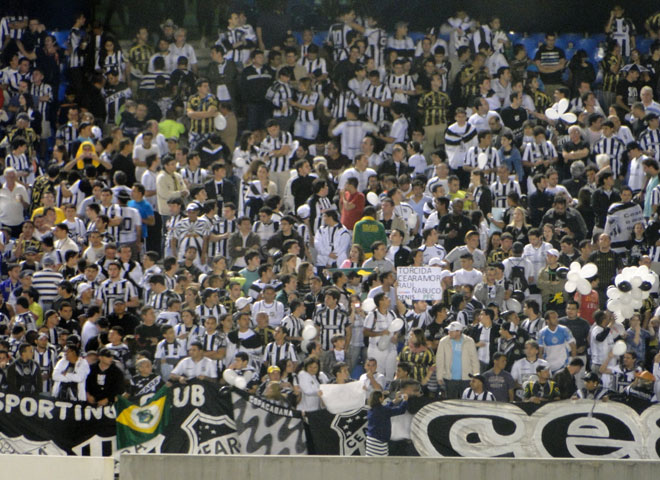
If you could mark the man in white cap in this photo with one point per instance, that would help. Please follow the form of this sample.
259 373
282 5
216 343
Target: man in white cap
551 284
456 358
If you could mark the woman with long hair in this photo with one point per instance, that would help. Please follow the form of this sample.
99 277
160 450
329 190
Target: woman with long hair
110 57
418 355
258 190
518 226
244 153
355 257
379 423
584 207
481 197
305 274
289 265
548 233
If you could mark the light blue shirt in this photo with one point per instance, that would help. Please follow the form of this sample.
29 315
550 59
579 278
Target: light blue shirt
456 359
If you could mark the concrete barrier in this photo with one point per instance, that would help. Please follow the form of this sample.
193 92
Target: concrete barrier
244 467
57 468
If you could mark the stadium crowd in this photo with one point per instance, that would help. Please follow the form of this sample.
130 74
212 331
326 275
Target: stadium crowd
164 219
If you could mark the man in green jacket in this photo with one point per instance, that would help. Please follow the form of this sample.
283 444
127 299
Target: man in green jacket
368 230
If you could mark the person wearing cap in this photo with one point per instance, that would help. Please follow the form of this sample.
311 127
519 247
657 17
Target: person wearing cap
279 349
541 389
105 380
593 390
551 284
70 376
192 232
45 355
456 358
477 389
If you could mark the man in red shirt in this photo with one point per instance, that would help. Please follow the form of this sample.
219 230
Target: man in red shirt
352 203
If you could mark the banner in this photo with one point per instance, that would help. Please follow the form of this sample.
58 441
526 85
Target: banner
267 428
207 420
338 434
419 283
568 429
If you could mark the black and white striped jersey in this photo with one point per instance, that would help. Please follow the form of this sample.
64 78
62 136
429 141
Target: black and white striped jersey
501 190
190 233
313 65
615 148
204 311
115 97
472 160
270 144
649 140
197 176
67 135
376 43
273 353
308 100
158 301
332 322
458 139
76 53
338 102
415 320
293 325
469 394
282 94
212 342
110 291
39 91
19 162
382 93
46 361
403 82
337 34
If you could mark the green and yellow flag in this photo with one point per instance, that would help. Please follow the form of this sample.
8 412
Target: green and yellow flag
136 425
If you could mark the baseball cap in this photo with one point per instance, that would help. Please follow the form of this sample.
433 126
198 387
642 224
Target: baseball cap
243 302
25 273
47 262
105 352
31 250
42 335
320 159
553 252
274 368
124 195
478 376
435 261
455 327
303 211
191 207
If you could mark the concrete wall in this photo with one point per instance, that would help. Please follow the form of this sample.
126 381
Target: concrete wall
57 468
171 467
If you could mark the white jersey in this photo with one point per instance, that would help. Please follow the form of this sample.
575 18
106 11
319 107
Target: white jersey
191 369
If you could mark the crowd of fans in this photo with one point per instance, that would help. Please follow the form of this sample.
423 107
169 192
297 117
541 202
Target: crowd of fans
164 219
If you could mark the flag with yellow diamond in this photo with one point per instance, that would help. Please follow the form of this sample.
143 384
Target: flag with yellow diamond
138 424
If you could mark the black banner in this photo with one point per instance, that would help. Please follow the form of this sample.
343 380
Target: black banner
202 421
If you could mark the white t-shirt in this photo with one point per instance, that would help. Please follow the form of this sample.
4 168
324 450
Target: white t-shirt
191 369
11 211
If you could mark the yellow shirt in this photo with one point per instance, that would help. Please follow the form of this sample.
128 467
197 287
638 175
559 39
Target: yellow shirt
59 214
39 312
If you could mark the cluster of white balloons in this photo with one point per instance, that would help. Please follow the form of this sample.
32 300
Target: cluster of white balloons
631 287
559 111
578 278
233 378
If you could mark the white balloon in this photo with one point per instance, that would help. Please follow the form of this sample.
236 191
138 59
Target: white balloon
614 305
619 278
637 303
368 305
240 382
613 292
309 333
628 311
411 221
308 323
589 270
619 348
569 117
303 346
571 286
636 294
220 122
636 281
573 276
396 325
551 113
230 376
514 305
562 105
646 295
584 287
372 198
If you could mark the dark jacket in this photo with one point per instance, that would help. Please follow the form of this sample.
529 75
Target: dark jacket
105 383
379 425
389 168
600 202
255 84
227 194
566 383
539 203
